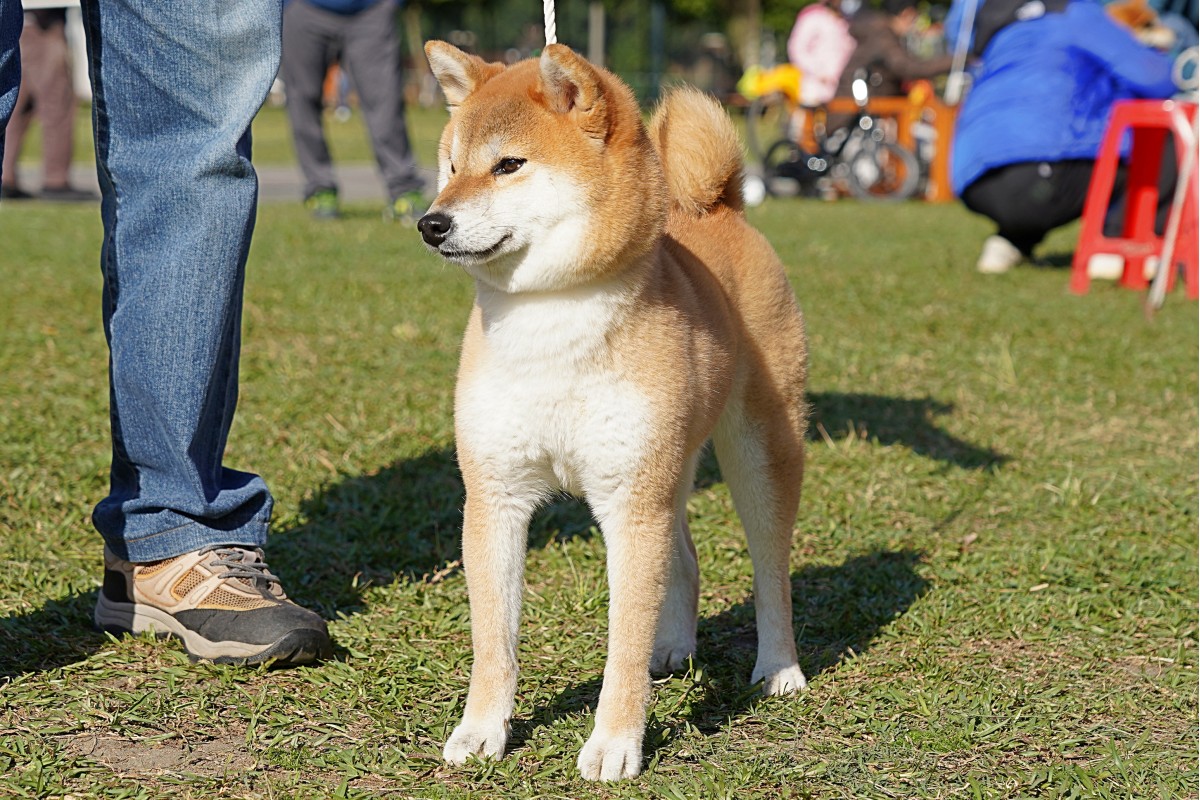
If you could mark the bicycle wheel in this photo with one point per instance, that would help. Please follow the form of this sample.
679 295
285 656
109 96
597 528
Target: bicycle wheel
767 120
883 171
785 170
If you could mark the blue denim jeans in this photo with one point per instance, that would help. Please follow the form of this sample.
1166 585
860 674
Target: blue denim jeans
175 87
11 20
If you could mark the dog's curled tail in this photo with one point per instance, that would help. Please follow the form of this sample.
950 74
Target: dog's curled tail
700 152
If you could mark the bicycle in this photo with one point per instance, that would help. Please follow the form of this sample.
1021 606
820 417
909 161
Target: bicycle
860 158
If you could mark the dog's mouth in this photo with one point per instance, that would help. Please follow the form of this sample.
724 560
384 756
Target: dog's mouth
474 255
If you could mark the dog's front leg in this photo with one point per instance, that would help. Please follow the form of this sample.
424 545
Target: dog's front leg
495 531
639 560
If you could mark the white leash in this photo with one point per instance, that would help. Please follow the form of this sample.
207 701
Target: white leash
1166 262
551 27
955 82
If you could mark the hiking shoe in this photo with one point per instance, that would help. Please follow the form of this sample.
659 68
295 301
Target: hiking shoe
999 255
407 208
222 601
323 203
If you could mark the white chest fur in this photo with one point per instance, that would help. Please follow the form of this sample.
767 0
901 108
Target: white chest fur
545 408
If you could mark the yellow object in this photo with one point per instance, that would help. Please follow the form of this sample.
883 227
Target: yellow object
784 79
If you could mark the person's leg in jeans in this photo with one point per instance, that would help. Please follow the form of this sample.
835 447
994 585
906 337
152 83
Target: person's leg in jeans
371 55
11 21
311 37
175 87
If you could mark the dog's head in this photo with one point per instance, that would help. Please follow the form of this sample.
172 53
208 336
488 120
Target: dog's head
546 178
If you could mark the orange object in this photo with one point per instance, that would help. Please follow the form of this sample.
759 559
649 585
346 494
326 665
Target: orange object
921 104
1149 122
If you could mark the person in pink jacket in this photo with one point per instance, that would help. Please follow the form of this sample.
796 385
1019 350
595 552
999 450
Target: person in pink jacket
819 46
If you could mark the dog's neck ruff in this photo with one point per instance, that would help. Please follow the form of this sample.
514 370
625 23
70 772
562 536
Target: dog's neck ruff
568 325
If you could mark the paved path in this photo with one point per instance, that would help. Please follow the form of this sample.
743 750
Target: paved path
356 182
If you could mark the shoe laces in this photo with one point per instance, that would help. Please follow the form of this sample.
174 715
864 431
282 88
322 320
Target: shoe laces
246 565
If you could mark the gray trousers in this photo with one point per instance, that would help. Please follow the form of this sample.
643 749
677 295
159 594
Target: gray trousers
366 46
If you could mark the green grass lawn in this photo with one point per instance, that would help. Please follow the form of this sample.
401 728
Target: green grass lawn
994 567
272 138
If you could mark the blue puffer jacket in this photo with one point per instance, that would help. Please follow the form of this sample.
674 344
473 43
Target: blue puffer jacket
1045 89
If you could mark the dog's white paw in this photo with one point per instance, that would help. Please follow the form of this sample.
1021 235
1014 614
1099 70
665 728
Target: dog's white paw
611 758
779 680
485 740
670 656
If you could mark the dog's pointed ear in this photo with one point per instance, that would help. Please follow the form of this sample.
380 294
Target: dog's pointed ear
458 73
570 85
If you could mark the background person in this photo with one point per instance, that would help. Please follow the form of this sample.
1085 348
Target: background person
361 36
1027 135
46 92
880 51
819 46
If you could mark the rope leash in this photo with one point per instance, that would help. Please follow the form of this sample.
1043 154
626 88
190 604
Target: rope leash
551 27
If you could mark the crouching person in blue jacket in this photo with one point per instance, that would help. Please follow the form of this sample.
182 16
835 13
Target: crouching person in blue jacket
1029 131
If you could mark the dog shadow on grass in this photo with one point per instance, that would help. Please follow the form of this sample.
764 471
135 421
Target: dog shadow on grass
839 613
404 523
907 421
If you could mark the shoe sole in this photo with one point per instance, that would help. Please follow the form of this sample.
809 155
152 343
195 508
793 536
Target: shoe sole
294 648
992 269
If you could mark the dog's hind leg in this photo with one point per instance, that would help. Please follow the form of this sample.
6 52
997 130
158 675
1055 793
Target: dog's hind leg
675 640
761 453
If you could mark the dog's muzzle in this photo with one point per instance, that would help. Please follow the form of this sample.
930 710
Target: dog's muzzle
434 227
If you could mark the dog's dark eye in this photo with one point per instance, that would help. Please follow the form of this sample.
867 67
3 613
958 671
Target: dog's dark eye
507 166
452 169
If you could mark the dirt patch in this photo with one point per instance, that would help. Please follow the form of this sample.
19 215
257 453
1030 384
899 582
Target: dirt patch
211 758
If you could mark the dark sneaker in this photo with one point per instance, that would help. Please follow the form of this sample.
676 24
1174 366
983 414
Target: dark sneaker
67 194
407 208
222 602
323 203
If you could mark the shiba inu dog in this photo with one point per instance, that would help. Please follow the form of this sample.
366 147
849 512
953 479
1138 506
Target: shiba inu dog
625 314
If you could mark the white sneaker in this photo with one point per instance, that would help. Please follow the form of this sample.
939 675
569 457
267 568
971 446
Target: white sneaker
998 255
1106 266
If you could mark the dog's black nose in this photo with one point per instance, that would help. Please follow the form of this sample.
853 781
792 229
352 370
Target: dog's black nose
433 228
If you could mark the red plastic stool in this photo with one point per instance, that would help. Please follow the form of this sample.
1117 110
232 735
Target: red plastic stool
1149 121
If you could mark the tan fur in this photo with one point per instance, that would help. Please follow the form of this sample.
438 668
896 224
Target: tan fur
610 339
700 152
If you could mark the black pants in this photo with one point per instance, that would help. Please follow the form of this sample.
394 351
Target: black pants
1029 199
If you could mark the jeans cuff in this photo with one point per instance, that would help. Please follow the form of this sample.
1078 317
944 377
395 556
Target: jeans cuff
186 537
